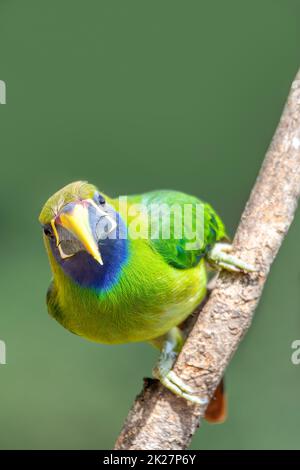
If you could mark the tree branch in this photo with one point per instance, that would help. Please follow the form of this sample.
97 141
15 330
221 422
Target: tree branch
159 419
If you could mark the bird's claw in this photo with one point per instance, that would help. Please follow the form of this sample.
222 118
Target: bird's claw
176 385
219 256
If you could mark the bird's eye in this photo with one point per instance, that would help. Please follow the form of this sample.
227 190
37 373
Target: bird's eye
101 200
48 232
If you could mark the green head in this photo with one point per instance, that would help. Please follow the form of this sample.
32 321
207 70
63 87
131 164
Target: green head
81 232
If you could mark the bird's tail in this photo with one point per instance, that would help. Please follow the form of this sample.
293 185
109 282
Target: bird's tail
216 411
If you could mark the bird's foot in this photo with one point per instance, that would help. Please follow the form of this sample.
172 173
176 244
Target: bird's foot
219 256
171 345
174 383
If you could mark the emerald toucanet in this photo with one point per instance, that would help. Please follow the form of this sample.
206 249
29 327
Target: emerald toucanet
119 278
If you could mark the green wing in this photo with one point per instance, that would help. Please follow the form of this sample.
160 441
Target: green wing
182 241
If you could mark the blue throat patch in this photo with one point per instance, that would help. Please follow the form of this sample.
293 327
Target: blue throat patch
87 272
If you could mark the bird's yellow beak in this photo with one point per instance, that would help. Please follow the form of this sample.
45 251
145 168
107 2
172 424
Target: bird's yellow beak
77 223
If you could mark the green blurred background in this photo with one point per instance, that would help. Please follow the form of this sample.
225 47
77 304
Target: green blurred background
137 95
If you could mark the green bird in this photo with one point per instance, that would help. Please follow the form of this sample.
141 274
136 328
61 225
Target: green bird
132 268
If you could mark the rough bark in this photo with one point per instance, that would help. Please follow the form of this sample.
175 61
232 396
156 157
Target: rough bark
160 420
